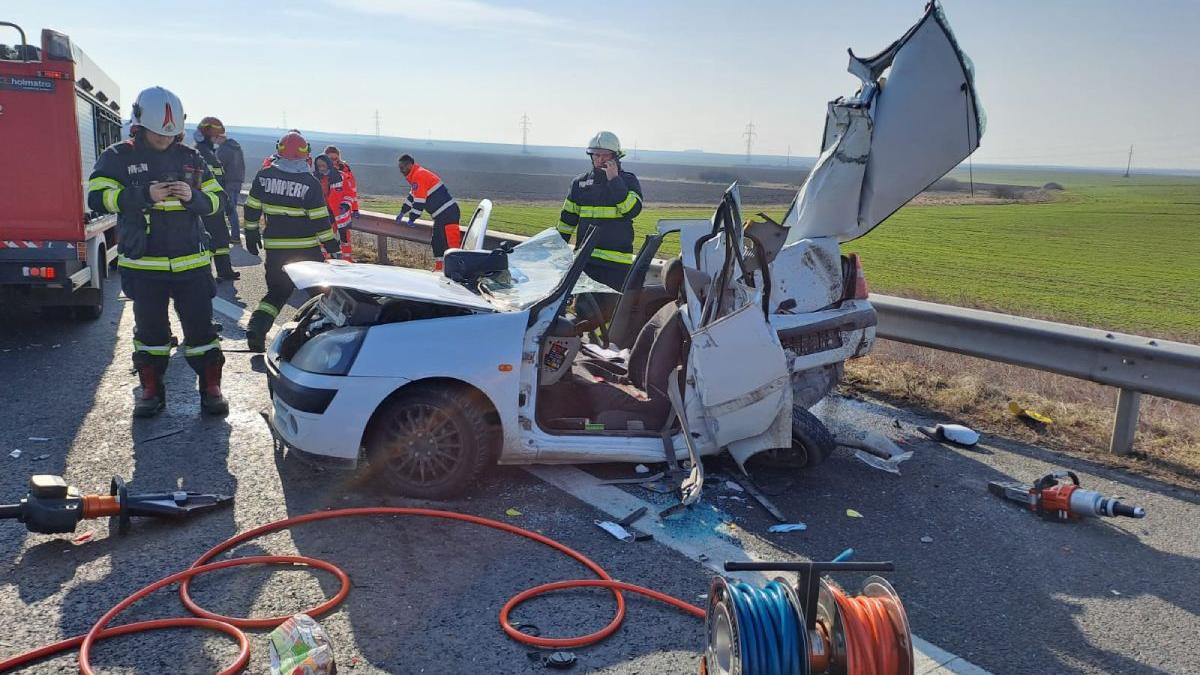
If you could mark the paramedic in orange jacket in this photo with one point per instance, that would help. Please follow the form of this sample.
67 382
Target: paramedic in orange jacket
349 182
333 186
428 193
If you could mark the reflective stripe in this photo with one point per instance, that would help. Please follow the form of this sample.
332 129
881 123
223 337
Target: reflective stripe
102 183
217 171
613 256
292 242
431 189
444 207
274 210
196 351
253 202
631 200
599 212
570 206
215 199
180 264
565 228
265 306
210 185
169 205
325 235
250 225
153 350
110 200
221 251
320 212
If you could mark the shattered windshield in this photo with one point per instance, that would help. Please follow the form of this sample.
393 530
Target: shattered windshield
535 268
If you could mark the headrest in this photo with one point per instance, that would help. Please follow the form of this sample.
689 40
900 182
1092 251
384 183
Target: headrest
673 277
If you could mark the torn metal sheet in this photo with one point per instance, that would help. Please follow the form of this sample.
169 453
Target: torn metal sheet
615 530
915 117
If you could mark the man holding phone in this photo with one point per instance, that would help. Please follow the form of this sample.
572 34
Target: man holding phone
603 203
160 189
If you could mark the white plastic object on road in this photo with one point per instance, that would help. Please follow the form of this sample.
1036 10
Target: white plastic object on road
615 530
957 433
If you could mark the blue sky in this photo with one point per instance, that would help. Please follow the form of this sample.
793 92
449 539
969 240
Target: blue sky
1071 82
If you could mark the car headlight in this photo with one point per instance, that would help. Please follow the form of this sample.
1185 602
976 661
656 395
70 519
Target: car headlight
331 352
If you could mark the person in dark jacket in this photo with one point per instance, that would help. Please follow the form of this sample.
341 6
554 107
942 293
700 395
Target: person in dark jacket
218 229
160 189
602 203
229 152
297 223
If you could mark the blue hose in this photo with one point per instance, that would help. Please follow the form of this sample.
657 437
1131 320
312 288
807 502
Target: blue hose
769 629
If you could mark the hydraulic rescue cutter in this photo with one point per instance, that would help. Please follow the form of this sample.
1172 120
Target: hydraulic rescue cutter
53 507
1057 496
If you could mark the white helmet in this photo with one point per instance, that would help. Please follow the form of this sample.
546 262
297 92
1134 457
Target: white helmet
606 140
158 110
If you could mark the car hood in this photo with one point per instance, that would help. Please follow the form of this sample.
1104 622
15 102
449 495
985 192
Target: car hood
914 118
393 282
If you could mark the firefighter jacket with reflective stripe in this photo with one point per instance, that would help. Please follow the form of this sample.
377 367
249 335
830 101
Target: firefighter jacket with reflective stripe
349 184
230 154
166 236
605 207
426 193
290 209
208 154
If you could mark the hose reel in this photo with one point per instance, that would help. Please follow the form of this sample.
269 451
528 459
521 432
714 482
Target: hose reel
812 627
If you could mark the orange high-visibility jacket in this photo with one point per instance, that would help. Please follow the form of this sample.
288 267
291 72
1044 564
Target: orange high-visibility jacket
427 193
349 184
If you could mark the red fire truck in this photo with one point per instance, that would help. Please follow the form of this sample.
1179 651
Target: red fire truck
58 111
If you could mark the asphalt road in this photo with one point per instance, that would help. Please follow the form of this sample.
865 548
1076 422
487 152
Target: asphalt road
996 586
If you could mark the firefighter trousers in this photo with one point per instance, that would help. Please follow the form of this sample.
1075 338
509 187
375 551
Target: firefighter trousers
611 275
192 292
279 285
445 231
218 237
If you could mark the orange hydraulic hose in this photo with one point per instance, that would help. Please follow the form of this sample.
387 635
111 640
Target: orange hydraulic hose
233 625
872 646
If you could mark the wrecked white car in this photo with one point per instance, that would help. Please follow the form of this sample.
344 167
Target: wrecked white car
433 377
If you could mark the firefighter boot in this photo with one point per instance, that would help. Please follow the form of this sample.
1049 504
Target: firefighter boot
225 271
153 398
256 331
211 399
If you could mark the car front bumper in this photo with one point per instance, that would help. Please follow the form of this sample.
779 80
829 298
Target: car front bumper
322 417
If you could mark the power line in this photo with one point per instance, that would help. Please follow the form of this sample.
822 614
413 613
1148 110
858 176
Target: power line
749 133
525 133
377 123
1129 164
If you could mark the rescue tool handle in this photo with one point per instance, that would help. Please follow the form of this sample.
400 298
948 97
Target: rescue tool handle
10 510
1128 511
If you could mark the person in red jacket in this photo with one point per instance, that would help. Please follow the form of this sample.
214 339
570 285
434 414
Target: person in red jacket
333 185
349 182
428 193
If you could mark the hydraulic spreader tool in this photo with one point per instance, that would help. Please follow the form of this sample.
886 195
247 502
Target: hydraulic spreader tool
52 506
1054 497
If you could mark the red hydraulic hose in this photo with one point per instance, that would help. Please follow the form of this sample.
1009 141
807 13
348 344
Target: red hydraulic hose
233 625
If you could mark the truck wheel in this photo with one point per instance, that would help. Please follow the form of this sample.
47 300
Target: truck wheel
94 310
430 442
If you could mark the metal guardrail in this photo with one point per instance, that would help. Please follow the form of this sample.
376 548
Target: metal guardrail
1135 365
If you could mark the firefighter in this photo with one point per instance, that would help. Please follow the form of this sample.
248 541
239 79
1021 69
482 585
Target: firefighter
285 215
160 189
218 230
333 186
350 188
428 193
603 203
229 152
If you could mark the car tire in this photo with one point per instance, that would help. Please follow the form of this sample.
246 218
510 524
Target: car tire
811 440
430 441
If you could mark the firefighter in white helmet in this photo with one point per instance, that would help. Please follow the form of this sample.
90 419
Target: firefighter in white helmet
603 203
160 189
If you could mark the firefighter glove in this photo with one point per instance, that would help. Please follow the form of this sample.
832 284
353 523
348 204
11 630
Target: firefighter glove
253 241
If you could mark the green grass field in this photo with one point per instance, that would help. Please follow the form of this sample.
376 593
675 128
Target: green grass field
1110 252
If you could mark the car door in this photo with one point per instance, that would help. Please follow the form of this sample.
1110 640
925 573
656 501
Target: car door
737 387
476 233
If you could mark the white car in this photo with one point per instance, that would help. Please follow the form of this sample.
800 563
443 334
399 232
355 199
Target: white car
433 378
